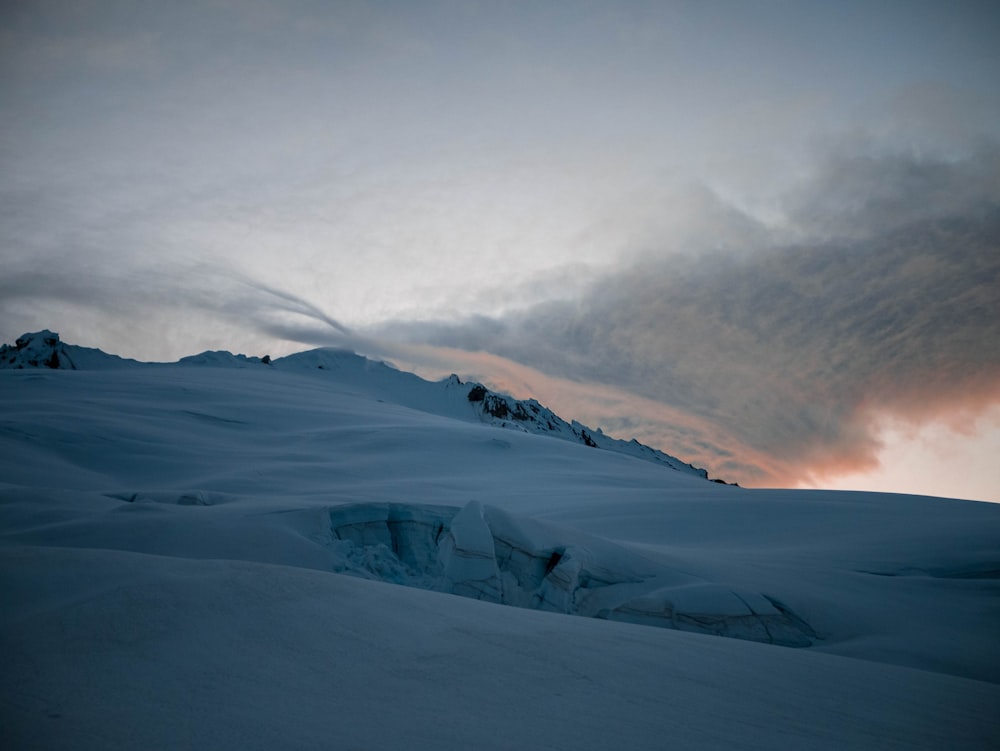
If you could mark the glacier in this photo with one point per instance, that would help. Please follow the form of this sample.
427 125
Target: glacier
487 554
209 553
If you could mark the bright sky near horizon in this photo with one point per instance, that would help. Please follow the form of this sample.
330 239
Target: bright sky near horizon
763 236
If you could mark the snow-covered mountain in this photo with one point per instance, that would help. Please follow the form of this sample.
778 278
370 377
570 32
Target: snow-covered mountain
205 554
450 397
44 349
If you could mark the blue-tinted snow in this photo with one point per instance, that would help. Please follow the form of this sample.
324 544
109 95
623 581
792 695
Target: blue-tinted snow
175 540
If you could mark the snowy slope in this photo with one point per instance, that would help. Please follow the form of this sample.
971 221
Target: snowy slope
109 650
453 398
197 554
449 397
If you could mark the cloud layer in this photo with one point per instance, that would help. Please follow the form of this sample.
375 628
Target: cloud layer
770 354
785 358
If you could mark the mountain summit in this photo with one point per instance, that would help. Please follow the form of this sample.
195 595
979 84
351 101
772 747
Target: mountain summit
44 349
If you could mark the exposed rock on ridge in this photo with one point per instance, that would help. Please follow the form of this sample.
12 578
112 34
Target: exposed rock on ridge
532 417
40 350
43 349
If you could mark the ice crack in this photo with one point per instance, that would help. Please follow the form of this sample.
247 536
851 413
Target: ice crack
486 554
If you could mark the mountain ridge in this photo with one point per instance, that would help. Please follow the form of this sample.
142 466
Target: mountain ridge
450 397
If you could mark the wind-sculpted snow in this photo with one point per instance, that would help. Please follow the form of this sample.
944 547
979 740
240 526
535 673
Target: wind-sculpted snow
487 554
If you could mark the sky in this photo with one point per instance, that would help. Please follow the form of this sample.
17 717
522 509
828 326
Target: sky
761 236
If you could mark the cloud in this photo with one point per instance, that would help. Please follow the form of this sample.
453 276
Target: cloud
403 170
778 364
769 356
860 190
188 305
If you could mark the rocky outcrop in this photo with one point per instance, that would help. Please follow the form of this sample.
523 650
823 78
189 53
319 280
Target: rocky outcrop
39 350
530 416
43 349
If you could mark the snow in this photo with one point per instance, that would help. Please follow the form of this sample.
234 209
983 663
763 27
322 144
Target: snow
44 349
208 554
450 397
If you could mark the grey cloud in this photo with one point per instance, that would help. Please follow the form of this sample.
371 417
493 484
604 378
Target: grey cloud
865 190
794 351
777 359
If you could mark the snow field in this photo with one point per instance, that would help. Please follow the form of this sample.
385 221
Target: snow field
174 542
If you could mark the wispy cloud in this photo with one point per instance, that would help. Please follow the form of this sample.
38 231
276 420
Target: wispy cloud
201 304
